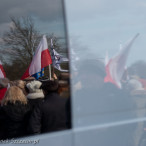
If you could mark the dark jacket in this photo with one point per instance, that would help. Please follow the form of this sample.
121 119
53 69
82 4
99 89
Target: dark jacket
49 115
34 102
14 120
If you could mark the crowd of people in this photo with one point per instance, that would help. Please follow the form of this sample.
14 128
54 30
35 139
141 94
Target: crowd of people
32 107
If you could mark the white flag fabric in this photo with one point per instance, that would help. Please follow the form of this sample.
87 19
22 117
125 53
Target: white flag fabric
116 65
57 59
2 73
106 58
57 66
74 60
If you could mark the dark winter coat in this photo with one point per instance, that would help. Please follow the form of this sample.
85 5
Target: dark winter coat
49 115
34 99
14 120
34 102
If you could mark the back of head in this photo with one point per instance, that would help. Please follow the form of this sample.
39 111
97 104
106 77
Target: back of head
19 83
14 94
50 86
29 79
134 84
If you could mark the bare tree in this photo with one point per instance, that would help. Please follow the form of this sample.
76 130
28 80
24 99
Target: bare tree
22 38
19 44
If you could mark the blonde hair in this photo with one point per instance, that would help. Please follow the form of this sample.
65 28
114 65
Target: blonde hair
19 83
14 94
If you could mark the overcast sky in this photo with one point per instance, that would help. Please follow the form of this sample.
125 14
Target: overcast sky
102 25
99 25
48 14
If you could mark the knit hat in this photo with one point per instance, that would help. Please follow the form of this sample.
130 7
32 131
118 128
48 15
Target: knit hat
34 90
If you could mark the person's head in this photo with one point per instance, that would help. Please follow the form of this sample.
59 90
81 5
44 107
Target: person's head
13 95
134 84
29 79
49 86
4 82
19 83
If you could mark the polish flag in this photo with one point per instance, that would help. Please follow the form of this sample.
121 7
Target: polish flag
116 65
41 59
2 73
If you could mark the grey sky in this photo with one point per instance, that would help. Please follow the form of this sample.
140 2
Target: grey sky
103 24
48 14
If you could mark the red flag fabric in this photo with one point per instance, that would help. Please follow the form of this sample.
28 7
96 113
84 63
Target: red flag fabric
2 72
41 59
115 68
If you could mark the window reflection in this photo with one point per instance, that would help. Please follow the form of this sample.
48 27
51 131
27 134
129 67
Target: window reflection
34 68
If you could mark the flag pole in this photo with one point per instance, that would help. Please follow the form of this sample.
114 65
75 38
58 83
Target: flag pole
49 71
52 52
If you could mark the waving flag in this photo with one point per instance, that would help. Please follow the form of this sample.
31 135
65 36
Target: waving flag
41 59
57 59
39 74
116 65
2 73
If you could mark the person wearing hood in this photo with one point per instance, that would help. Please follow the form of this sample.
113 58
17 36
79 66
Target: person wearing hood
49 115
35 94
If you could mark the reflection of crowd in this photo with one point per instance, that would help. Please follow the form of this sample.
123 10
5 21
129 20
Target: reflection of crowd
91 74
105 103
31 107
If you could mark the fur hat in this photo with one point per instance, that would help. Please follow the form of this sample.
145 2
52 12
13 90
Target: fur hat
34 90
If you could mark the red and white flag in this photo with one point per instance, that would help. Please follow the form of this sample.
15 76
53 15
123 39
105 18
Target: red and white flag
2 75
41 59
116 66
2 72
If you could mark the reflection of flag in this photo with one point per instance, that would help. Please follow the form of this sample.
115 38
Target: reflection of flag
39 74
40 60
2 72
143 82
116 65
74 60
106 58
2 75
